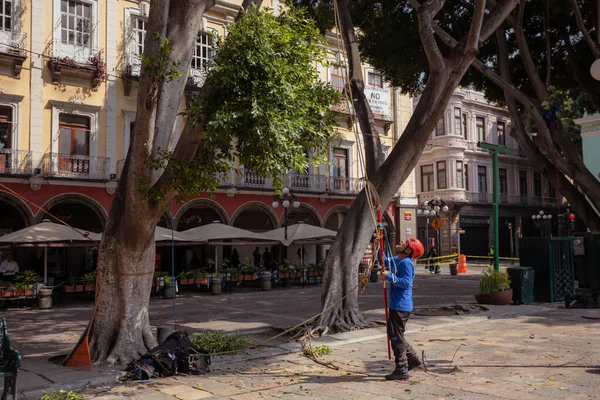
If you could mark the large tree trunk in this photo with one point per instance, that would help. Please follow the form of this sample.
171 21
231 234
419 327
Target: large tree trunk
340 304
119 330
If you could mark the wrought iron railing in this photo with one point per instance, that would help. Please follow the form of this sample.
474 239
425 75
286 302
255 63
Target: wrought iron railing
342 185
15 162
76 54
306 183
75 166
251 179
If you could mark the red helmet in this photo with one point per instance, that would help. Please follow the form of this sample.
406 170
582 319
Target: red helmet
417 247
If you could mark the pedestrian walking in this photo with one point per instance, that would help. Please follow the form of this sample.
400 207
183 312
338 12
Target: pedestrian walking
433 262
267 259
400 277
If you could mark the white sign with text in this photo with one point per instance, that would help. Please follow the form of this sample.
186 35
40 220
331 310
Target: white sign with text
379 99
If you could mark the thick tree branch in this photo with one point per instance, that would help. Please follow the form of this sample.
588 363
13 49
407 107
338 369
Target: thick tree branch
577 200
586 34
580 76
425 14
366 121
547 36
246 5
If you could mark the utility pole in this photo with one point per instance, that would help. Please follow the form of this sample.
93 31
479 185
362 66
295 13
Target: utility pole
494 149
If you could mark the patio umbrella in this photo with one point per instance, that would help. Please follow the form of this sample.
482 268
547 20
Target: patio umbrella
219 231
166 235
49 234
299 232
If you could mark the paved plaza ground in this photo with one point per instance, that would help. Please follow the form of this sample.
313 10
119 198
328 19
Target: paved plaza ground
533 351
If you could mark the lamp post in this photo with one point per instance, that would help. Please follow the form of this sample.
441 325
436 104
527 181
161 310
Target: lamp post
286 199
432 208
542 221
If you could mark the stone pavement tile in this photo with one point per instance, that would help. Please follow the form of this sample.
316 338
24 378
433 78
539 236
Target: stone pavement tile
185 392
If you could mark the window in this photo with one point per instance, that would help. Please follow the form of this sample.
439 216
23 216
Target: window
502 180
427 178
337 77
374 79
439 129
340 163
523 183
537 184
464 125
480 123
5 15
441 174
482 176
551 191
76 22
139 31
501 138
459 175
6 126
457 122
466 177
204 51
74 135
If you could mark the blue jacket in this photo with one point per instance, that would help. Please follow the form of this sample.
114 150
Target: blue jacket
401 281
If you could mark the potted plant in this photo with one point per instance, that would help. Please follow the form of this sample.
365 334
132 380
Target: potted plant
184 278
24 283
70 286
89 281
494 288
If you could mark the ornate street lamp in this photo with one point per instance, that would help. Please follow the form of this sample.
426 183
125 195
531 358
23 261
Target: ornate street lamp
542 221
286 199
432 208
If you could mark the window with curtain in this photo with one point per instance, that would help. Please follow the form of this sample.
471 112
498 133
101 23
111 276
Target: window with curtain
74 135
6 127
441 174
501 131
480 124
482 177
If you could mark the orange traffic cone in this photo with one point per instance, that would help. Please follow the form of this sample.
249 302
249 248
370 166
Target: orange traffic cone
81 358
462 264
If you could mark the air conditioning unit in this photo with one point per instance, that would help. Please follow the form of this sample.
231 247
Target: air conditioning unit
145 8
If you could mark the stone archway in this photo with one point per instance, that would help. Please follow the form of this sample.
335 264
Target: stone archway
334 218
303 214
77 210
254 216
200 212
15 214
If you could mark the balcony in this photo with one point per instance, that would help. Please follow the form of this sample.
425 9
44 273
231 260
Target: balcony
76 61
13 51
343 185
306 183
479 198
15 162
251 180
445 141
75 166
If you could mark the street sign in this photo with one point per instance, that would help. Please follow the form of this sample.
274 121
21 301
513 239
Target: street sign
436 224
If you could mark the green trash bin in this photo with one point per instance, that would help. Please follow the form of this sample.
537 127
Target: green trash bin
521 283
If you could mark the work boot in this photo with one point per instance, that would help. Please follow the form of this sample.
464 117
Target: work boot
438 270
414 364
399 374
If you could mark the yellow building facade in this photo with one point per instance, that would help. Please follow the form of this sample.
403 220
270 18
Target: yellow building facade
68 94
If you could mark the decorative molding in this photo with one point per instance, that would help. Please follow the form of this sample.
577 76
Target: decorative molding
111 187
35 184
232 192
76 99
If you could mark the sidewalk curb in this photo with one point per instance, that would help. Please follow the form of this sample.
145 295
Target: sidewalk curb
74 386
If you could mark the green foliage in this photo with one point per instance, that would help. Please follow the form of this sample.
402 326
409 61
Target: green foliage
493 281
160 274
319 351
27 278
61 395
264 93
158 66
219 343
89 278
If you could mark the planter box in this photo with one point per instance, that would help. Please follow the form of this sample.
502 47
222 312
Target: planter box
248 277
201 281
284 276
79 288
186 281
313 273
495 299
90 288
24 292
69 289
5 293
